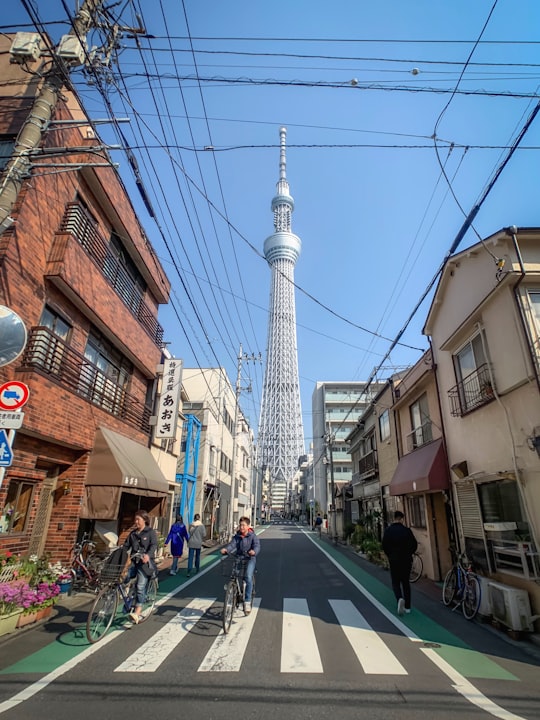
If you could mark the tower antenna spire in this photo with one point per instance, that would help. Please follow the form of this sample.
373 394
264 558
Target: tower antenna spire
281 435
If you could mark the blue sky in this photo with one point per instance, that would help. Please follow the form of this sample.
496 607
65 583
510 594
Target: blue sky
361 87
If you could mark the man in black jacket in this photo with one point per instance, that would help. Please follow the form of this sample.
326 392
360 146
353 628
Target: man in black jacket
399 544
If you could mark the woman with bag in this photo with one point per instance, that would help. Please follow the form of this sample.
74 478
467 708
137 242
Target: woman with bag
142 544
177 535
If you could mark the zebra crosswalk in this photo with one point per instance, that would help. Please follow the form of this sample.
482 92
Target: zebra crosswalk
299 647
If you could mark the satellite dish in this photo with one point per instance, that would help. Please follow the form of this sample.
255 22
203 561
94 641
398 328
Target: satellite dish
12 336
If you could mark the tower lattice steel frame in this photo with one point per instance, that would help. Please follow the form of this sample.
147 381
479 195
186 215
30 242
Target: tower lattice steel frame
281 435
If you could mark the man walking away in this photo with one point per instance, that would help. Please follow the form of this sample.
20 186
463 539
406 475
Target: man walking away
197 533
399 544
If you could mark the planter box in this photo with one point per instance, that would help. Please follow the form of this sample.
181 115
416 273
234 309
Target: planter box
27 619
8 623
44 613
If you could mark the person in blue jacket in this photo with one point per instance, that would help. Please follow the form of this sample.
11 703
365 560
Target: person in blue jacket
245 544
177 535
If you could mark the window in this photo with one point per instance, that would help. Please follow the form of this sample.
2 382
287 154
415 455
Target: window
123 274
18 503
534 300
470 358
105 378
48 347
420 423
417 511
474 386
384 425
500 503
6 152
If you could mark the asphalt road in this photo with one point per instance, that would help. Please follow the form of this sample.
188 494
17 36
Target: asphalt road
323 641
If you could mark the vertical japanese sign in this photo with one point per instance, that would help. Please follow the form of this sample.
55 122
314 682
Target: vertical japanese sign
167 414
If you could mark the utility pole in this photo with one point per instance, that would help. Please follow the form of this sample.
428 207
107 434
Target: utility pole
332 524
30 136
238 389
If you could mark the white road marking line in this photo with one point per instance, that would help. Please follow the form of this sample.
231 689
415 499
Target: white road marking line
374 656
227 651
299 651
154 651
468 690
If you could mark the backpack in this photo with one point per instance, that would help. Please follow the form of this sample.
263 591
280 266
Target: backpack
318 521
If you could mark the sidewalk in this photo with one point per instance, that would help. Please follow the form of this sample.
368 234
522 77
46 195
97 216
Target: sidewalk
427 596
72 609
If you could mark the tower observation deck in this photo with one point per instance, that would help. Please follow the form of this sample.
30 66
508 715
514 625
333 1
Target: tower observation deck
281 436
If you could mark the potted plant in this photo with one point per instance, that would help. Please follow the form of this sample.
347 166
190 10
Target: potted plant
10 605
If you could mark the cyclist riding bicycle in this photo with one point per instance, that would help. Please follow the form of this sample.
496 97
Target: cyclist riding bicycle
245 544
142 542
317 525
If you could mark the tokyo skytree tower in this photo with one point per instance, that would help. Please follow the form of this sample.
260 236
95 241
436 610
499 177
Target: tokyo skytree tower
281 435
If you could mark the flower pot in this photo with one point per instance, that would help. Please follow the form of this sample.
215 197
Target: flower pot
65 587
44 613
27 618
8 622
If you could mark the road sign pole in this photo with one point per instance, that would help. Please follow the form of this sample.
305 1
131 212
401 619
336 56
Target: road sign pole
11 437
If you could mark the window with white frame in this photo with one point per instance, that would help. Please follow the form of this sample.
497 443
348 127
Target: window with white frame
420 422
472 371
384 425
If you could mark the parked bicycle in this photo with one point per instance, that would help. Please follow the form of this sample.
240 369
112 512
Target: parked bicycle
417 568
235 588
462 587
117 592
85 565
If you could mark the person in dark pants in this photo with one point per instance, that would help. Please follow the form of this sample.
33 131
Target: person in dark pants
399 544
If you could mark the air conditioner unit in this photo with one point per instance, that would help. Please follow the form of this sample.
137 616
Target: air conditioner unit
510 606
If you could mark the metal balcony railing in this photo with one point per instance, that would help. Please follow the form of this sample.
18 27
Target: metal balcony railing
472 392
367 465
419 436
78 222
52 356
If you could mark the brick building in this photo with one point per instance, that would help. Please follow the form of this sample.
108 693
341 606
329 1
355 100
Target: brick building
78 269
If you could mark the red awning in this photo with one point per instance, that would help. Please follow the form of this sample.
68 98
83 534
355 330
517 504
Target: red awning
422 470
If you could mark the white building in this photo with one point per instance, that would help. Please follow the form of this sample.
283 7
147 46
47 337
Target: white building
336 407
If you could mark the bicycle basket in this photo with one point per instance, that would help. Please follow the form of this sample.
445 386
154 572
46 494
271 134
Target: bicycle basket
230 563
111 573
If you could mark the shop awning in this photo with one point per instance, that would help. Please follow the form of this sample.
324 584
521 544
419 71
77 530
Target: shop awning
119 465
422 470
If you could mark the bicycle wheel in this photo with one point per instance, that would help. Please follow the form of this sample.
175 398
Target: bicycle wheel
471 597
101 614
229 604
151 597
449 587
417 568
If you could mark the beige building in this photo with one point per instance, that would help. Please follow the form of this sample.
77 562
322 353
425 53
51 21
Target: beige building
211 398
420 482
484 325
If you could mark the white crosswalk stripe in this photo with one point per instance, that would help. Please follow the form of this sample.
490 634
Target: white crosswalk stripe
299 650
149 657
374 656
299 647
227 651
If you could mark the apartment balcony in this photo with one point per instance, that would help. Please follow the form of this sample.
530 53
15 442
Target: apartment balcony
419 436
367 468
52 357
67 266
472 392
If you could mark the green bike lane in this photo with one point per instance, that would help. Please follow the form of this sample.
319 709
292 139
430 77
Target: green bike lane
419 626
